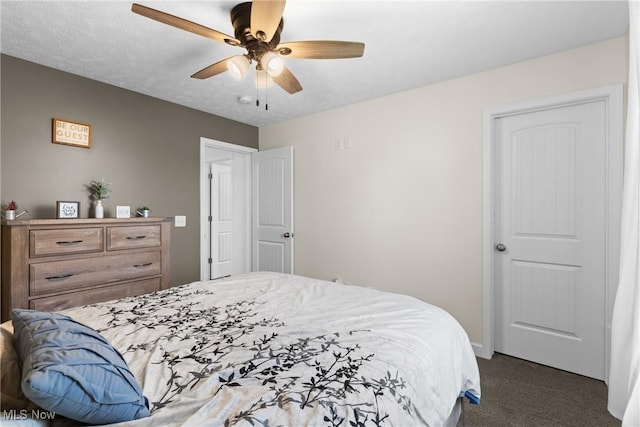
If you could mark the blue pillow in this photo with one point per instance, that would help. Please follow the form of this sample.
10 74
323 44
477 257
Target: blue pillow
70 369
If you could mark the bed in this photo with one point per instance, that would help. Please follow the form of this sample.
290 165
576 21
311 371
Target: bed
273 349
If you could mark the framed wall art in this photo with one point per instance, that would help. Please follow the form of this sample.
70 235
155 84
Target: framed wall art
123 212
66 209
71 133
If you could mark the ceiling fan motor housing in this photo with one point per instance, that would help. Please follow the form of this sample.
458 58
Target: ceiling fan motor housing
241 21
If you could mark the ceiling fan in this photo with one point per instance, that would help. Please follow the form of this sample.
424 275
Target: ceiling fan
257 26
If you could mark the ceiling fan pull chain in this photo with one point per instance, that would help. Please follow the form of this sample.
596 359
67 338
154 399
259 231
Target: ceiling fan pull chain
266 93
257 92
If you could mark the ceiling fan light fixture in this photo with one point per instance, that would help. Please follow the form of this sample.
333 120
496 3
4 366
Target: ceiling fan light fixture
238 66
257 28
272 63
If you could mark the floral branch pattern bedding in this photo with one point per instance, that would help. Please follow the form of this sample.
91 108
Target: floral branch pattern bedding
267 349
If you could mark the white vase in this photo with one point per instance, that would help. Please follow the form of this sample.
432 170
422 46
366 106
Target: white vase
99 209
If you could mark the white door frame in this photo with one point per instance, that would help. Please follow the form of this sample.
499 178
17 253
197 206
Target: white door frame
204 209
612 96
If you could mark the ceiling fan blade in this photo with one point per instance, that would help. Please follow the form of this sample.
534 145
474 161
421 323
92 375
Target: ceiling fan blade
321 49
265 18
212 70
287 81
183 24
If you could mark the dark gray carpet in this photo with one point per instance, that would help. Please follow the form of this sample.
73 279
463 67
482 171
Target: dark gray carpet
516 392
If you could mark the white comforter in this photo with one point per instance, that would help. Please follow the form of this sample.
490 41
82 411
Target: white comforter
273 349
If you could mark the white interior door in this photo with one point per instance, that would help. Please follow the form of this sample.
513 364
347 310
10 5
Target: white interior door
272 193
550 231
221 220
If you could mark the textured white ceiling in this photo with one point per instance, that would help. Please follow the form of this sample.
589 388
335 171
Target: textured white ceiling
409 44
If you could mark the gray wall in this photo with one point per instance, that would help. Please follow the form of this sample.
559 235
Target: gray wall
148 149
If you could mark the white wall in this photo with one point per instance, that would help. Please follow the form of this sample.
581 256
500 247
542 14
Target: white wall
401 209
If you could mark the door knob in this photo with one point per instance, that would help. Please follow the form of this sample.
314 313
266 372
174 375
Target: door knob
501 247
287 235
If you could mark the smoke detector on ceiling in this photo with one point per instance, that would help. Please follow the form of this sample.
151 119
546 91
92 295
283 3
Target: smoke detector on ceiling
244 99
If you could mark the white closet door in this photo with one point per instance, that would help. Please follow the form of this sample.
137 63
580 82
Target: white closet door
272 192
551 227
221 221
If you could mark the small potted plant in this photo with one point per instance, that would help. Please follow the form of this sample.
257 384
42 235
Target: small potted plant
144 212
10 210
100 190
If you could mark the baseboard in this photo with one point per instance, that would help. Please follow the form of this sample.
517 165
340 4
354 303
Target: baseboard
480 351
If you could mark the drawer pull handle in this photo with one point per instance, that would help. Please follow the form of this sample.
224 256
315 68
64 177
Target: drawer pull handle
60 277
69 242
143 265
135 237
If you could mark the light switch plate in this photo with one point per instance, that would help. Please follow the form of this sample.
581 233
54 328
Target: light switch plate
181 221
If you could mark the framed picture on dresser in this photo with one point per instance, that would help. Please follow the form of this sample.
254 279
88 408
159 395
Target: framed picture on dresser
66 209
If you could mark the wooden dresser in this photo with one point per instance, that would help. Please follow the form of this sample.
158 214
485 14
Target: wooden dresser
51 264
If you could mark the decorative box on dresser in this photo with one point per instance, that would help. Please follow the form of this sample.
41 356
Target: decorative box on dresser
55 264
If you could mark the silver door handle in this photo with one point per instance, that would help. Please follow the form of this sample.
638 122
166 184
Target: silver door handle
287 235
501 247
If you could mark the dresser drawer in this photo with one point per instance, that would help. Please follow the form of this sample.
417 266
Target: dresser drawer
95 295
65 241
142 236
56 276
